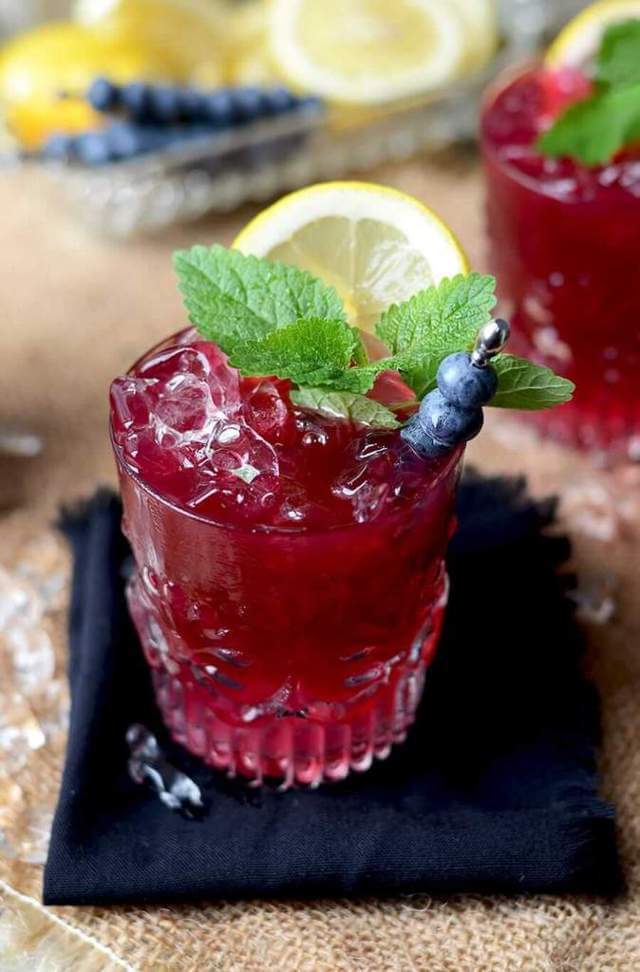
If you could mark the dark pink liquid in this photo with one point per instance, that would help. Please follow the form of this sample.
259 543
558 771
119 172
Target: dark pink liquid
565 247
289 615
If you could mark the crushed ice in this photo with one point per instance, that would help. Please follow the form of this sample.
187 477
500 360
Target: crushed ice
34 699
148 765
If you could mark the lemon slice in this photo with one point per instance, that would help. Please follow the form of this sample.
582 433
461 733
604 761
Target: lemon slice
366 51
190 33
480 25
375 245
576 44
207 11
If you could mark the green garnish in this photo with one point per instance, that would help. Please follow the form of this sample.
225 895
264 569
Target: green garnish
272 319
594 130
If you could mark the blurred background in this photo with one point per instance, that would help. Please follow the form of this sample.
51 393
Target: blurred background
132 127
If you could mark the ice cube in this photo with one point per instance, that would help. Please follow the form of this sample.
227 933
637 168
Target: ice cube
365 493
184 412
131 403
268 411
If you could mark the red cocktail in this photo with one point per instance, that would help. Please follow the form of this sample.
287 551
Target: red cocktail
565 244
290 583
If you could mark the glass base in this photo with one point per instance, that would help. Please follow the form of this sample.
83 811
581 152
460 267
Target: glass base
287 738
290 749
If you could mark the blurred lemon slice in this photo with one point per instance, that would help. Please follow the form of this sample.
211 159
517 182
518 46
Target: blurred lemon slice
249 60
480 26
375 245
190 33
45 73
576 44
366 51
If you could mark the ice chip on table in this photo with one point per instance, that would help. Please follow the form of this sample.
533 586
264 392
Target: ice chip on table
148 764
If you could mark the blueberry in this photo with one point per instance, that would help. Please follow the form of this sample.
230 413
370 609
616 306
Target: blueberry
278 100
103 95
59 146
193 130
421 442
93 148
309 104
463 383
125 140
446 422
219 108
249 104
136 99
192 104
164 103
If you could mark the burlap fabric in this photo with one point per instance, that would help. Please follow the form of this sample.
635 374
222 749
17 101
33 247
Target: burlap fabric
76 310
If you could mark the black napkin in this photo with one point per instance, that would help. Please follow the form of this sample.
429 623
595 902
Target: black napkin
495 789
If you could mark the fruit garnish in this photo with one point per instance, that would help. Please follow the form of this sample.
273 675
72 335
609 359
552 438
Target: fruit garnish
560 89
452 412
375 245
273 319
593 130
577 43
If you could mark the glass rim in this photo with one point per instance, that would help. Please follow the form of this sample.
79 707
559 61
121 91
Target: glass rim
451 462
502 81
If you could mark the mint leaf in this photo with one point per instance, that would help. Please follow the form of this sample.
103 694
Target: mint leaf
523 384
361 380
230 296
309 352
618 60
593 131
273 319
435 322
356 408
445 316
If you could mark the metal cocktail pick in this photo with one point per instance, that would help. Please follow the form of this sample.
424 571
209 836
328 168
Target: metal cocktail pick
490 341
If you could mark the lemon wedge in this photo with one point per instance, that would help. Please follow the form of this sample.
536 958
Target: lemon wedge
377 246
576 44
366 51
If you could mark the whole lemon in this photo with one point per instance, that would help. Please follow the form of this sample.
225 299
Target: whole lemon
45 73
192 33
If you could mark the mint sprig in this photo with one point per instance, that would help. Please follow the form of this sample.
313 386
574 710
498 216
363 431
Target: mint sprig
618 59
229 295
594 130
435 322
271 319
